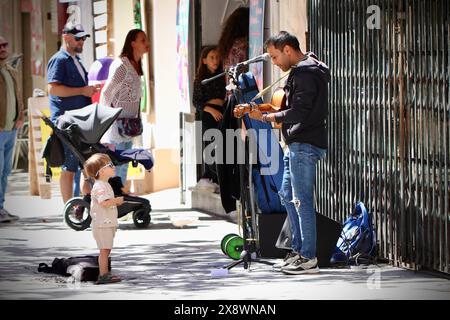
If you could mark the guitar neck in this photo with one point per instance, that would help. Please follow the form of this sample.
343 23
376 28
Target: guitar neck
266 107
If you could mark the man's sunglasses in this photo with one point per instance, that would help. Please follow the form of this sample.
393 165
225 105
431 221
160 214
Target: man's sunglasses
4 45
80 38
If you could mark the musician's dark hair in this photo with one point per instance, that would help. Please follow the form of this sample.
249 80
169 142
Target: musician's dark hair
234 28
127 50
202 69
282 39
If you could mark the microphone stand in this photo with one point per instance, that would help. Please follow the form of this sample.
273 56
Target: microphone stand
247 202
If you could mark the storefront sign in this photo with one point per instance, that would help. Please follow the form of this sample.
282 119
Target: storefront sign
37 40
6 19
256 38
26 5
183 53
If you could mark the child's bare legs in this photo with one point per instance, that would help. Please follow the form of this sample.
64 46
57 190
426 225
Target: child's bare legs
103 261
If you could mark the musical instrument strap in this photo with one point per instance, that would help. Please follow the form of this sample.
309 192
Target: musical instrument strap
263 91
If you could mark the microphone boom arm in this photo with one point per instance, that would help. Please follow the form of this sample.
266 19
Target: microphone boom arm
213 78
234 69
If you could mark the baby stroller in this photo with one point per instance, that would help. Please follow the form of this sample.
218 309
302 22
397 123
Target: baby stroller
80 130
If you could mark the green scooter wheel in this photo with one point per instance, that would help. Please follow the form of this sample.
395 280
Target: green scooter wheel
224 241
234 247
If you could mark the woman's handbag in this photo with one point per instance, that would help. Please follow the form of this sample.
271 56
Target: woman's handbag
130 127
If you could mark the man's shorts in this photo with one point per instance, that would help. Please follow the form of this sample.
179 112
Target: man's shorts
71 163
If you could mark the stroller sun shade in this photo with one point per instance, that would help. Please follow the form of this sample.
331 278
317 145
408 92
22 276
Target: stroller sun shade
142 156
91 122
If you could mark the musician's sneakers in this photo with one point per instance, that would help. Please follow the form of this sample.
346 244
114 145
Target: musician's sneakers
290 257
206 185
302 266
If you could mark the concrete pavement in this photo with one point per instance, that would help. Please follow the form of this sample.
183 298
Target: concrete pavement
167 262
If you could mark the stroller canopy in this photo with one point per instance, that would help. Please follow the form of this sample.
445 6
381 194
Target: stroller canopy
91 122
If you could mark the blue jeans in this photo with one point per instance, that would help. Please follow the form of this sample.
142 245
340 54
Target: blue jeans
7 141
297 195
121 171
71 162
76 183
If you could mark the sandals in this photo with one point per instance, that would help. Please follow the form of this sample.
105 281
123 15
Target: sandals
107 278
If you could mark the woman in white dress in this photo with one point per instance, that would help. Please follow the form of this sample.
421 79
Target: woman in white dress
123 89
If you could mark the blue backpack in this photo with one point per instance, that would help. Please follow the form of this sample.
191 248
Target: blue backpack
357 242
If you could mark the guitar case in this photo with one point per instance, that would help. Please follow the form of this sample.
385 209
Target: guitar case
267 174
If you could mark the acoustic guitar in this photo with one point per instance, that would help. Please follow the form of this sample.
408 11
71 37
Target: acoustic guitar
278 103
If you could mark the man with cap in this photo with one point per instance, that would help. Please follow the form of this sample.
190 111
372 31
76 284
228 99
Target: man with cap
68 90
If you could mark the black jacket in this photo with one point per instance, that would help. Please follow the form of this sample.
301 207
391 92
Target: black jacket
205 92
304 119
228 173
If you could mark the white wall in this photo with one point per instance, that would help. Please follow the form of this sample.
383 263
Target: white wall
294 19
87 22
288 15
123 21
212 13
167 100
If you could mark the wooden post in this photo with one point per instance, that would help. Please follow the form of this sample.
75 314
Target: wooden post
34 187
38 184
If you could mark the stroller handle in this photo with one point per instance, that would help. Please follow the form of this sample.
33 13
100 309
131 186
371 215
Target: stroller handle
47 121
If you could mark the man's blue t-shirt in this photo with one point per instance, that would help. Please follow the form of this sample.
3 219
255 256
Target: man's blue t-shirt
62 69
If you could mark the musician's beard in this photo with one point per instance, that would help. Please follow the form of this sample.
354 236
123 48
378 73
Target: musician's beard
284 68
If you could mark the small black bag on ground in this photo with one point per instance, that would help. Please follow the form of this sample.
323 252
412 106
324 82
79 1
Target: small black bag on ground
84 268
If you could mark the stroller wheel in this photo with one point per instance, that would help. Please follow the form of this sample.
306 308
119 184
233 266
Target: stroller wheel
141 218
76 214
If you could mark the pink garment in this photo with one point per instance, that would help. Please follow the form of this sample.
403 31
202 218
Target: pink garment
237 53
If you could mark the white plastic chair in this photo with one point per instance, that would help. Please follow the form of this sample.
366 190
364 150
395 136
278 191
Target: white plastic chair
21 146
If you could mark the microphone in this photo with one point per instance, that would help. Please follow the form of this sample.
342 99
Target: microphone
263 57
260 58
